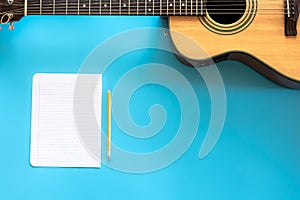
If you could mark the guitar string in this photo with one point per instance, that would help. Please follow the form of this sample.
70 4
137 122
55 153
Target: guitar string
132 5
76 4
107 10
209 7
157 10
141 7
157 7
21 11
57 2
135 2
154 1
143 2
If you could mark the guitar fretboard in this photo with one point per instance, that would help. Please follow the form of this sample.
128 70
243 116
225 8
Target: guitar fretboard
115 7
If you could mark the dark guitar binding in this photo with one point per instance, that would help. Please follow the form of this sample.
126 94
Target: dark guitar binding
248 59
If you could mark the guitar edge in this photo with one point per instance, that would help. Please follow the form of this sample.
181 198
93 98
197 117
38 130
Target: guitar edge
262 46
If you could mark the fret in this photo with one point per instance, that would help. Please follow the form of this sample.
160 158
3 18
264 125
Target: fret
153 7
78 6
100 3
201 7
53 12
197 7
174 7
66 7
25 8
41 4
129 5
110 4
191 7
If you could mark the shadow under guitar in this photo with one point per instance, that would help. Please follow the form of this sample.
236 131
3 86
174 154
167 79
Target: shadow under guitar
245 58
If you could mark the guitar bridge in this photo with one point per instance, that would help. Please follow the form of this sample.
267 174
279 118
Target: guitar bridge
290 17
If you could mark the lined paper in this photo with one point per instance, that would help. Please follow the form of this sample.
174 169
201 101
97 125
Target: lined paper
66 116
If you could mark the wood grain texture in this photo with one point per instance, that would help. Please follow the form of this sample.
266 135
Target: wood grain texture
264 39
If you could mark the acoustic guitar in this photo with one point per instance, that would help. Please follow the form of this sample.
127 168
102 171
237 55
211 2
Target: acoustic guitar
259 33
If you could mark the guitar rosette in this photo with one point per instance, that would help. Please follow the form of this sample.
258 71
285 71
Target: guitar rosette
135 79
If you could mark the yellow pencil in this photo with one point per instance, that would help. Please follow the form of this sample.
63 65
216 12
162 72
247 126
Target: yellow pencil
108 123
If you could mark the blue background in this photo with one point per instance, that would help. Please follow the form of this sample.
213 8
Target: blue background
256 157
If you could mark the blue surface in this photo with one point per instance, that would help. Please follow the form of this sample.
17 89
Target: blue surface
256 157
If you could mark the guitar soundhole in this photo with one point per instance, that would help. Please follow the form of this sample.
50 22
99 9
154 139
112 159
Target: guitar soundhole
226 11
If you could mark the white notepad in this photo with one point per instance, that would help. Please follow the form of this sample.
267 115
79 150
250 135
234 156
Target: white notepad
66 116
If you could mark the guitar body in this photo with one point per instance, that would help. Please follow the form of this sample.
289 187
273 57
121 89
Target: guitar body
260 43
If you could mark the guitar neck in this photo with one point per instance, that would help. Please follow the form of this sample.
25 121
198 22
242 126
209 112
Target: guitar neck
115 7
